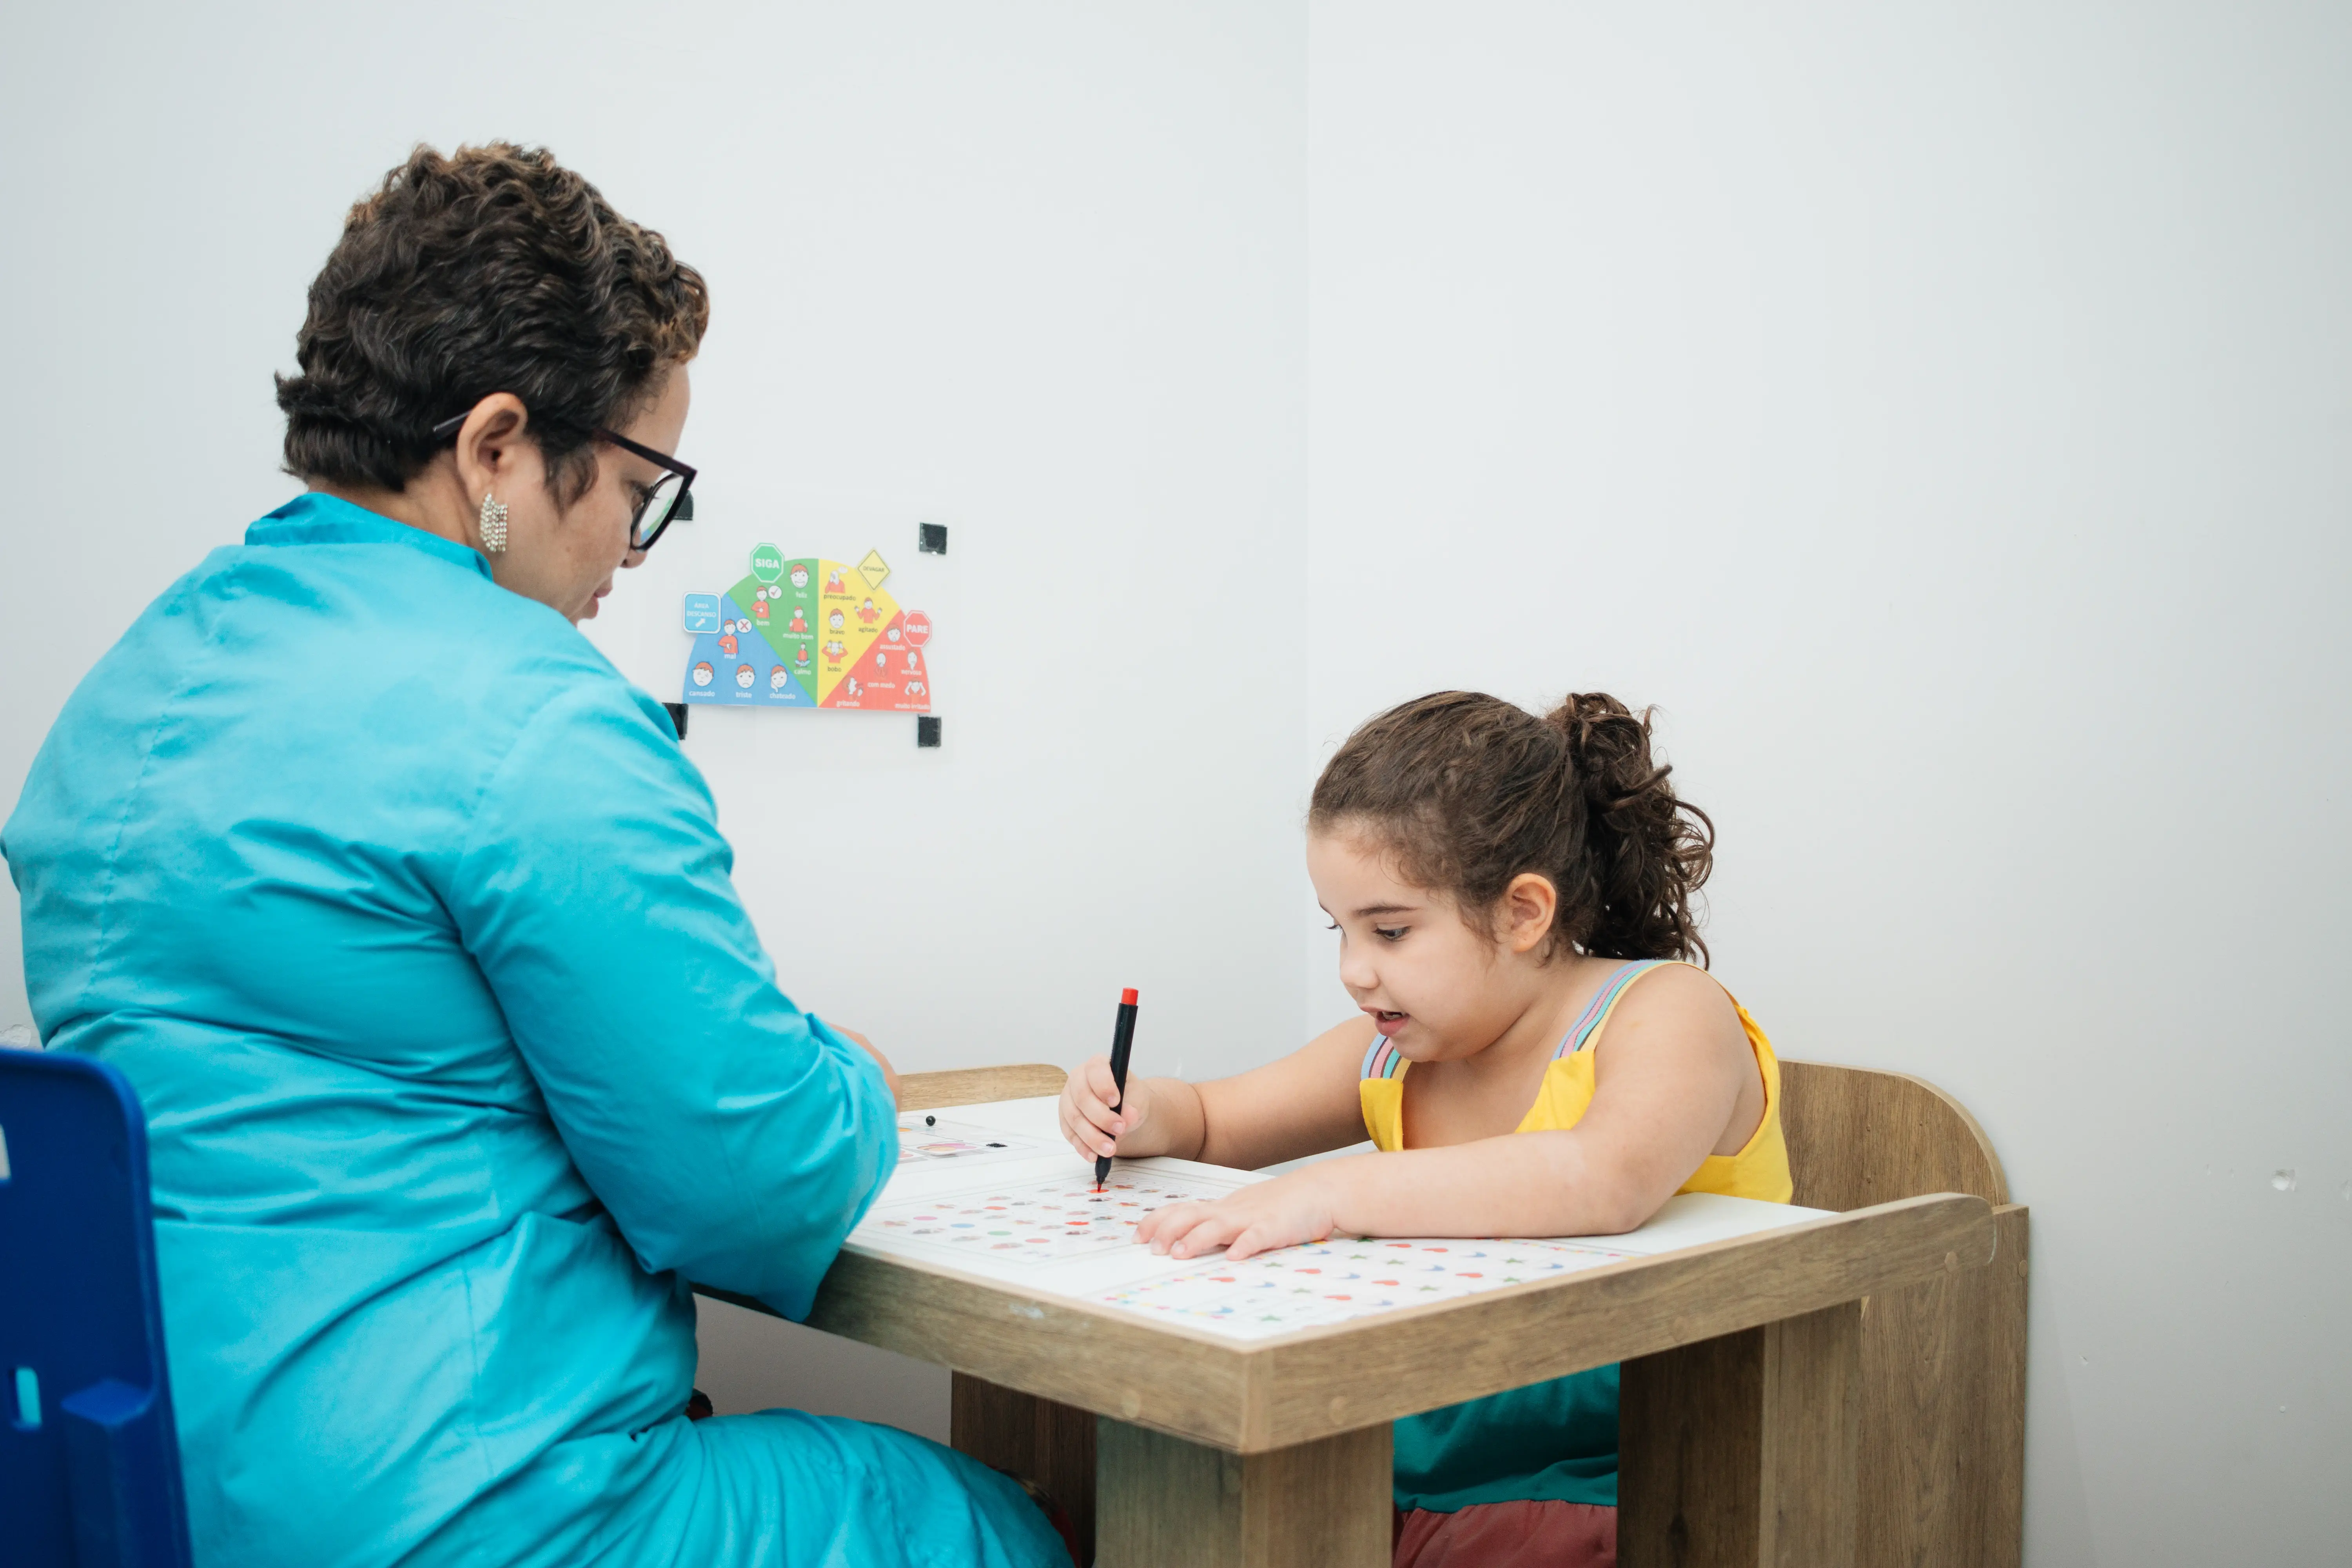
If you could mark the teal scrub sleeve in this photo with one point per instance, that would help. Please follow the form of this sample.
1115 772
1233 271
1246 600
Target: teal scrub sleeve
732 1136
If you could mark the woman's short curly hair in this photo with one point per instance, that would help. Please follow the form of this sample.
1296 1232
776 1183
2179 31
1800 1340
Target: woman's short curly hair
495 269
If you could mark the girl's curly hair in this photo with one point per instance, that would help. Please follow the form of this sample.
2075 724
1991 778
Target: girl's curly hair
1467 791
495 269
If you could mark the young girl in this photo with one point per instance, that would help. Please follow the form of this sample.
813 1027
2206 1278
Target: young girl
1512 897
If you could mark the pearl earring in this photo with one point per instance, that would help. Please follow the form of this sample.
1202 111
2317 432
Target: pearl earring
494 525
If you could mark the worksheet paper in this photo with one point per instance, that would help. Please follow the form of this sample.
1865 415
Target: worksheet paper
1025 1222
1030 1218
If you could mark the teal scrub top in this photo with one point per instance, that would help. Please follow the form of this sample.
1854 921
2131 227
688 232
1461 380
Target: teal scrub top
413 929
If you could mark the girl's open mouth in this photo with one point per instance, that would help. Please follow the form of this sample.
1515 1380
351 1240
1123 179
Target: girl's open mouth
1389 1023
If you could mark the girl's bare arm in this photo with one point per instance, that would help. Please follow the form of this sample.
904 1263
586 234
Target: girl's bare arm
1302 1104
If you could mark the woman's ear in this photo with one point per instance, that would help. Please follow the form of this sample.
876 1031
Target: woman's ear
486 444
1529 905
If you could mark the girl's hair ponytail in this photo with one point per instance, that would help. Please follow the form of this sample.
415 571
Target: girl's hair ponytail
1646 853
1467 791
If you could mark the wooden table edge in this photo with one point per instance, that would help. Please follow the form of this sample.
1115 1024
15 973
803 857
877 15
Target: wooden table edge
1247 1397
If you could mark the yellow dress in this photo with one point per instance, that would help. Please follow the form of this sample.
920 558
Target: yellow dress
1527 1464
1760 1168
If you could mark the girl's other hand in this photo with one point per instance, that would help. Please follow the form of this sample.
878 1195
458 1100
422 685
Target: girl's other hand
1094 1118
1260 1217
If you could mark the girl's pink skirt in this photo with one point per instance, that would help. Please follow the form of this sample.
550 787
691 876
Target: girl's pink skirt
1510 1535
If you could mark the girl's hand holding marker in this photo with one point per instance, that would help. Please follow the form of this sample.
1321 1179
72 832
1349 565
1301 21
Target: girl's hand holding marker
1095 1117
1101 1122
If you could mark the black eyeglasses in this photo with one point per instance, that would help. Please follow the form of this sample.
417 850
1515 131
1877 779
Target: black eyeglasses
659 504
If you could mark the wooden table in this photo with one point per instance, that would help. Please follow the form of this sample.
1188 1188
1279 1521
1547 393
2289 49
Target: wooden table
1741 1404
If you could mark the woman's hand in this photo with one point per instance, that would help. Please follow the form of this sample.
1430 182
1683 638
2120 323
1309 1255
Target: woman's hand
1094 1115
1258 1218
889 1075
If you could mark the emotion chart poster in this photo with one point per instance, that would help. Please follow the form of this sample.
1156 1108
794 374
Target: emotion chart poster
808 633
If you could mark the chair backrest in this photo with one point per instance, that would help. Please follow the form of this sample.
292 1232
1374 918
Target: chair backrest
90 1462
1857 1137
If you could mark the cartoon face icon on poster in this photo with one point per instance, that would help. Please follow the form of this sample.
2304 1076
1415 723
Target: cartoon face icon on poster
744 673
776 680
853 686
760 609
727 646
892 633
834 623
832 582
914 659
915 688
800 621
881 660
702 674
833 650
799 655
867 613
800 573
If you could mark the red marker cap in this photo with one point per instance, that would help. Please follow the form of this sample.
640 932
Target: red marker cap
1127 997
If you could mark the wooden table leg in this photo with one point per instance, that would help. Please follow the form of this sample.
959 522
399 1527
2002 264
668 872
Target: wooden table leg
1742 1450
1942 1467
1164 1502
1050 1443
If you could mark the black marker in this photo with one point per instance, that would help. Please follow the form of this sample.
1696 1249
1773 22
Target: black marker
1122 1041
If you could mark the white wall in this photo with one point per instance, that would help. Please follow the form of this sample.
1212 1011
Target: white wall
1030 269
1940 412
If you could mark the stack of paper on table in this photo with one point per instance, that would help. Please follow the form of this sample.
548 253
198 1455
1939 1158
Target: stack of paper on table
993 1191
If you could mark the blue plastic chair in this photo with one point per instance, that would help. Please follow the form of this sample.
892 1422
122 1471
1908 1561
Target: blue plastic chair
90 1462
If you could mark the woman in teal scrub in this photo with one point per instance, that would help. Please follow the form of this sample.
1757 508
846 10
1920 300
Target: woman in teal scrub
413 928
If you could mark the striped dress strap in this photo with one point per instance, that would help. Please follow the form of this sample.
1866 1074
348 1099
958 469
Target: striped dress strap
1382 1059
1603 1001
